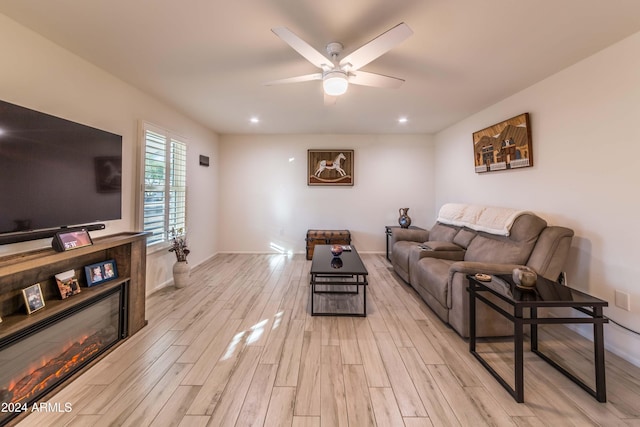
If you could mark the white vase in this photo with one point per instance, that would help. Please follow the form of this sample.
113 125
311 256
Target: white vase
181 273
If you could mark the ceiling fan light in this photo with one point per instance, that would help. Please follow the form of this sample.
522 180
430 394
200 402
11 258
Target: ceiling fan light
335 83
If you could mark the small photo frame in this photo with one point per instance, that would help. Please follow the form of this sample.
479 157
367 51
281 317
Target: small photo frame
101 272
67 240
33 298
67 284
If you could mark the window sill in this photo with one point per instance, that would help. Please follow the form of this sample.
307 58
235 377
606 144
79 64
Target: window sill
158 247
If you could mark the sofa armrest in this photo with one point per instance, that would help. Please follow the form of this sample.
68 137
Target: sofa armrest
471 267
441 250
441 246
488 322
408 234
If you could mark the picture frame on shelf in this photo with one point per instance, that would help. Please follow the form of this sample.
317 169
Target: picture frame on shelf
33 298
101 272
67 284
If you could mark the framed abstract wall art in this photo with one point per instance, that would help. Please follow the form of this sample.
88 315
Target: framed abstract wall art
505 145
330 167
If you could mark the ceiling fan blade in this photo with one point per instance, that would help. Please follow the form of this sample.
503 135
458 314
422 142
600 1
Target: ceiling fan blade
298 79
303 48
376 47
365 78
330 100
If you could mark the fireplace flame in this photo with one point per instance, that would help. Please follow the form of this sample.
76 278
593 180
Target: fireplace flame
52 370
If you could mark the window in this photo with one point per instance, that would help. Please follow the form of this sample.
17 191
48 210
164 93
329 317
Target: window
164 185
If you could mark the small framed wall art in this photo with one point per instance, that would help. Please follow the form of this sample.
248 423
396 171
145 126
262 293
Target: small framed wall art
330 167
101 272
33 298
505 145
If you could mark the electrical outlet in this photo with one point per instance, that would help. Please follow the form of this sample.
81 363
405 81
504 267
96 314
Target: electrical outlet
623 300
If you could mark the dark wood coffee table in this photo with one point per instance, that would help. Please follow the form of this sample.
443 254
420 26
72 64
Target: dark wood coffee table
336 282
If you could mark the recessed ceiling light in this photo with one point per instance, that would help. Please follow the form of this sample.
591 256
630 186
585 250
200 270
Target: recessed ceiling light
254 120
403 120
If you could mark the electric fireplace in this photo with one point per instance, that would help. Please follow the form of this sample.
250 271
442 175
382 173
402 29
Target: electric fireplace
37 359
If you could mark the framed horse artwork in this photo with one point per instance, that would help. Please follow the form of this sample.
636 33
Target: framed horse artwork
330 167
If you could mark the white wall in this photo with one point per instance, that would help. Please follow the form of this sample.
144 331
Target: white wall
586 149
265 199
40 75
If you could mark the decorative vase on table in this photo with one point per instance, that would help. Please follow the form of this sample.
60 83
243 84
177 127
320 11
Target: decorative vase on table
181 270
404 220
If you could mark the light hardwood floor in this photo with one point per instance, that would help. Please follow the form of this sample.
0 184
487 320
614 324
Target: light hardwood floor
238 348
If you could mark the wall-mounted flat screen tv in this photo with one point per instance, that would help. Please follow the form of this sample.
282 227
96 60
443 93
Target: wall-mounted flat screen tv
56 173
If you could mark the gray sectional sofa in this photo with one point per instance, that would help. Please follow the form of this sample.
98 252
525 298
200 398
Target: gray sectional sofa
435 262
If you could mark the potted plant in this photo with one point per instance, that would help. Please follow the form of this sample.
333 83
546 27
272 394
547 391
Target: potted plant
181 269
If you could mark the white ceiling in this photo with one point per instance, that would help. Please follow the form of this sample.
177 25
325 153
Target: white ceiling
209 58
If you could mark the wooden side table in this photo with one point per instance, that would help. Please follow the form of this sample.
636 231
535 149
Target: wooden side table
389 232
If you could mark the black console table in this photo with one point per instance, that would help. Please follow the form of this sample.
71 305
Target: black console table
545 294
388 230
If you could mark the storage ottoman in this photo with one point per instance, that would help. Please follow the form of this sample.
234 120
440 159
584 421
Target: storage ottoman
326 237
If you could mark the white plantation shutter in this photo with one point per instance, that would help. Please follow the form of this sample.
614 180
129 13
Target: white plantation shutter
178 185
164 184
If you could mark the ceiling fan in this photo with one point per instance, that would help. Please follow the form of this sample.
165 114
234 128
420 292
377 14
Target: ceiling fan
337 73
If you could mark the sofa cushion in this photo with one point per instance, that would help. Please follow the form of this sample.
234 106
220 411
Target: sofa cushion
443 233
442 250
551 250
435 273
527 228
514 249
464 237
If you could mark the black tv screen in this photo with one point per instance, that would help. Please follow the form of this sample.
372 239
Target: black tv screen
56 173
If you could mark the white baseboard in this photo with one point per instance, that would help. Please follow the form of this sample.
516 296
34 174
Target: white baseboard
205 260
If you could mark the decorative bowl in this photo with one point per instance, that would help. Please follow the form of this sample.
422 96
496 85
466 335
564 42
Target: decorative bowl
483 277
336 250
524 277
